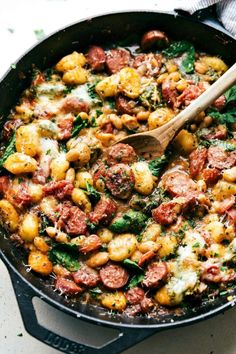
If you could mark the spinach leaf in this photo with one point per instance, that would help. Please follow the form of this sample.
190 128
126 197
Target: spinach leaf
79 124
135 280
157 165
94 195
133 221
187 64
10 149
178 48
230 94
227 117
66 255
133 265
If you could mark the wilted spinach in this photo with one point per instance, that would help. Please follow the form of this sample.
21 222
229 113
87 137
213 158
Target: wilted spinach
180 47
66 255
10 149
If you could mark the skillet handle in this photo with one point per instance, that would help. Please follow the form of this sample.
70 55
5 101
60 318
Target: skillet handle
25 295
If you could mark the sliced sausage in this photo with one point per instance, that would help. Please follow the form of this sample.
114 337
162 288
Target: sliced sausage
219 158
219 132
91 243
155 39
155 273
178 184
213 274
10 127
211 175
4 184
67 287
146 257
86 276
219 103
75 105
135 295
104 211
121 153
19 195
60 189
72 219
114 276
197 160
166 213
120 181
116 59
169 93
124 105
148 64
96 58
188 95
226 204
65 125
146 304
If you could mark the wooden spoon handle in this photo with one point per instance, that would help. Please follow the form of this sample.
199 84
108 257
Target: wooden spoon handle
198 105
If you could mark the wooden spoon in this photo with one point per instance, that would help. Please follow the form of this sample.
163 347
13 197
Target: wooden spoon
156 141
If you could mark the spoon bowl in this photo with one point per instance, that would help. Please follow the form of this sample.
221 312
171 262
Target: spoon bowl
155 142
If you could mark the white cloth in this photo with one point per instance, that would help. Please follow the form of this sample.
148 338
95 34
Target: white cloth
226 10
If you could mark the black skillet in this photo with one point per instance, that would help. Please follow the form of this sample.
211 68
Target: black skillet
103 30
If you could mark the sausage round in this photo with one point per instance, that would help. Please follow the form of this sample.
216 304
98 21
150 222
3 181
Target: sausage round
74 105
116 59
219 158
155 273
154 38
135 295
96 58
104 210
178 184
114 276
67 286
60 189
165 214
121 153
120 181
72 219
124 105
86 276
211 175
197 160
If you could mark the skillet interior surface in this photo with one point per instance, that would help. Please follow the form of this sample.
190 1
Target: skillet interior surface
106 30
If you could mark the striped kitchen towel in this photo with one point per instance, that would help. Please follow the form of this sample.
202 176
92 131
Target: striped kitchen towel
226 10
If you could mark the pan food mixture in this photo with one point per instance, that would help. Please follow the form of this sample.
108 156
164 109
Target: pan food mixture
131 234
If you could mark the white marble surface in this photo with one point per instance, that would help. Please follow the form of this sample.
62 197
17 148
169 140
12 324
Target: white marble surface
18 21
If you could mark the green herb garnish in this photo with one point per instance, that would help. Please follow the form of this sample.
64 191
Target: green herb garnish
78 125
156 166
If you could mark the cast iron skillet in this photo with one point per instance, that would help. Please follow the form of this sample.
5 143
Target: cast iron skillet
101 30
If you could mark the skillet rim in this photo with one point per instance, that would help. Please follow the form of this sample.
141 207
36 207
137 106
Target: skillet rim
37 292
